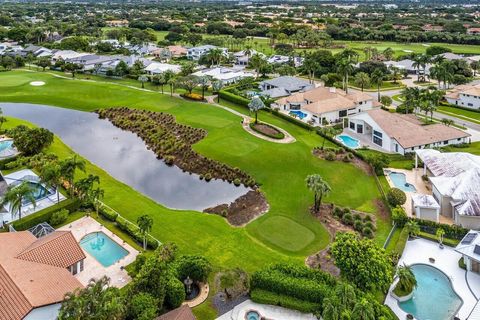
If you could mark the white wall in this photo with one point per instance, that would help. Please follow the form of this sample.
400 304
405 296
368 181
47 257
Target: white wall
469 222
467 101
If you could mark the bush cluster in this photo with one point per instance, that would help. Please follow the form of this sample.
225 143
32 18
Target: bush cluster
173 142
362 224
59 217
229 96
396 197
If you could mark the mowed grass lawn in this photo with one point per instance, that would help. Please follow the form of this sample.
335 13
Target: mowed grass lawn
461 113
286 232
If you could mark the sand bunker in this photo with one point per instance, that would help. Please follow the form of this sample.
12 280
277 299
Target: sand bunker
37 83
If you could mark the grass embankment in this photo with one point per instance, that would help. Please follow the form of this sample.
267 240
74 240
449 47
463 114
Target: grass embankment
462 114
286 233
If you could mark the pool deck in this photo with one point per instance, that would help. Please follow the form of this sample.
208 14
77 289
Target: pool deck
94 269
266 311
420 251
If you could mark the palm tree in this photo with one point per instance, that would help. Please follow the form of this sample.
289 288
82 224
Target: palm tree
475 65
388 53
257 62
417 64
172 82
95 197
327 131
216 87
377 79
255 105
345 294
214 56
395 74
363 310
145 223
345 67
143 78
319 187
413 228
406 279
15 196
159 80
310 65
69 167
51 175
204 83
362 80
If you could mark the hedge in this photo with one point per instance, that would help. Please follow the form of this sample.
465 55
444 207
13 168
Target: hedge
108 213
451 231
266 297
291 119
4 162
446 241
227 95
44 215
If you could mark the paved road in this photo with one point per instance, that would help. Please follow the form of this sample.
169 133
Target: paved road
458 121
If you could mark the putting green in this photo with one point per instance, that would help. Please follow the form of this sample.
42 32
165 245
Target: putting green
274 230
13 80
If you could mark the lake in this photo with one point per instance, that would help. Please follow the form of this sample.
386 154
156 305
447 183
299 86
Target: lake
125 157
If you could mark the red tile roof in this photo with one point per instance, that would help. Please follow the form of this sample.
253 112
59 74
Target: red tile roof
182 313
33 280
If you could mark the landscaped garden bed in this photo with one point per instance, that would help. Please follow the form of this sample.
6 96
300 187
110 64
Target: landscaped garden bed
173 142
267 130
243 210
340 154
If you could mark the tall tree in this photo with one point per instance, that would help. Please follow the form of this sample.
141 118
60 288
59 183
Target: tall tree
319 187
362 80
145 224
51 175
143 78
255 105
69 168
377 79
16 195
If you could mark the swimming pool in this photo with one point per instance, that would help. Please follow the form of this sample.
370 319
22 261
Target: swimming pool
400 182
434 297
102 248
299 114
7 149
6 144
38 192
348 141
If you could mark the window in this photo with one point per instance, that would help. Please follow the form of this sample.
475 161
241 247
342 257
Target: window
445 142
342 113
470 104
377 141
377 133
352 125
396 147
359 128
74 269
81 265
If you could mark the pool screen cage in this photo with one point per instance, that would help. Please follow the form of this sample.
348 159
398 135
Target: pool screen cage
41 229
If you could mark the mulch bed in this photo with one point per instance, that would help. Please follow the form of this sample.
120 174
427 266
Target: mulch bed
267 130
243 210
359 163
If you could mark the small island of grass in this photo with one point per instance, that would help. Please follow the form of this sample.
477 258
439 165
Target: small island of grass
267 130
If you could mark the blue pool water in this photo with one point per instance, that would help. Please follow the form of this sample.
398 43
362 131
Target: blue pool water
39 192
6 144
298 113
348 141
400 182
434 297
102 248
252 315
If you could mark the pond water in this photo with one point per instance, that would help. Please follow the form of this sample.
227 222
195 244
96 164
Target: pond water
125 157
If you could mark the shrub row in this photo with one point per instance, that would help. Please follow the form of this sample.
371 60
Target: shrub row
451 231
297 287
4 162
45 215
227 95
307 273
291 119
133 231
108 213
446 241
267 297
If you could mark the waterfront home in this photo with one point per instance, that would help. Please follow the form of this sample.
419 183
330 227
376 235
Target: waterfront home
467 96
455 180
284 86
243 57
400 133
196 53
323 105
35 274
224 74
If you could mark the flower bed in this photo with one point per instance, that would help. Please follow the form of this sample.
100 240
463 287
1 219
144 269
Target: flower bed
192 96
267 130
173 142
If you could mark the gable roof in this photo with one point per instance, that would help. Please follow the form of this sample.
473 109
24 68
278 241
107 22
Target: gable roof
182 313
288 83
50 250
410 132
26 284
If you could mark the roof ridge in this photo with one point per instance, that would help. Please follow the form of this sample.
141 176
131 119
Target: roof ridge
36 244
20 291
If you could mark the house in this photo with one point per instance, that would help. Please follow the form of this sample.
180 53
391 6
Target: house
455 180
181 313
469 248
142 49
450 56
65 55
467 96
243 57
90 62
473 31
157 68
35 274
117 23
196 53
408 65
400 133
170 52
36 51
224 74
284 86
323 105
279 59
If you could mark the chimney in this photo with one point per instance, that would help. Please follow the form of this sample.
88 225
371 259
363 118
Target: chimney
332 89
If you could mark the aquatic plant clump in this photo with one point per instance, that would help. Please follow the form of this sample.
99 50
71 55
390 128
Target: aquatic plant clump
173 142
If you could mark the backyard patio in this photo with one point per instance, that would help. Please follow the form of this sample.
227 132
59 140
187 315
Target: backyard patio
421 251
93 268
